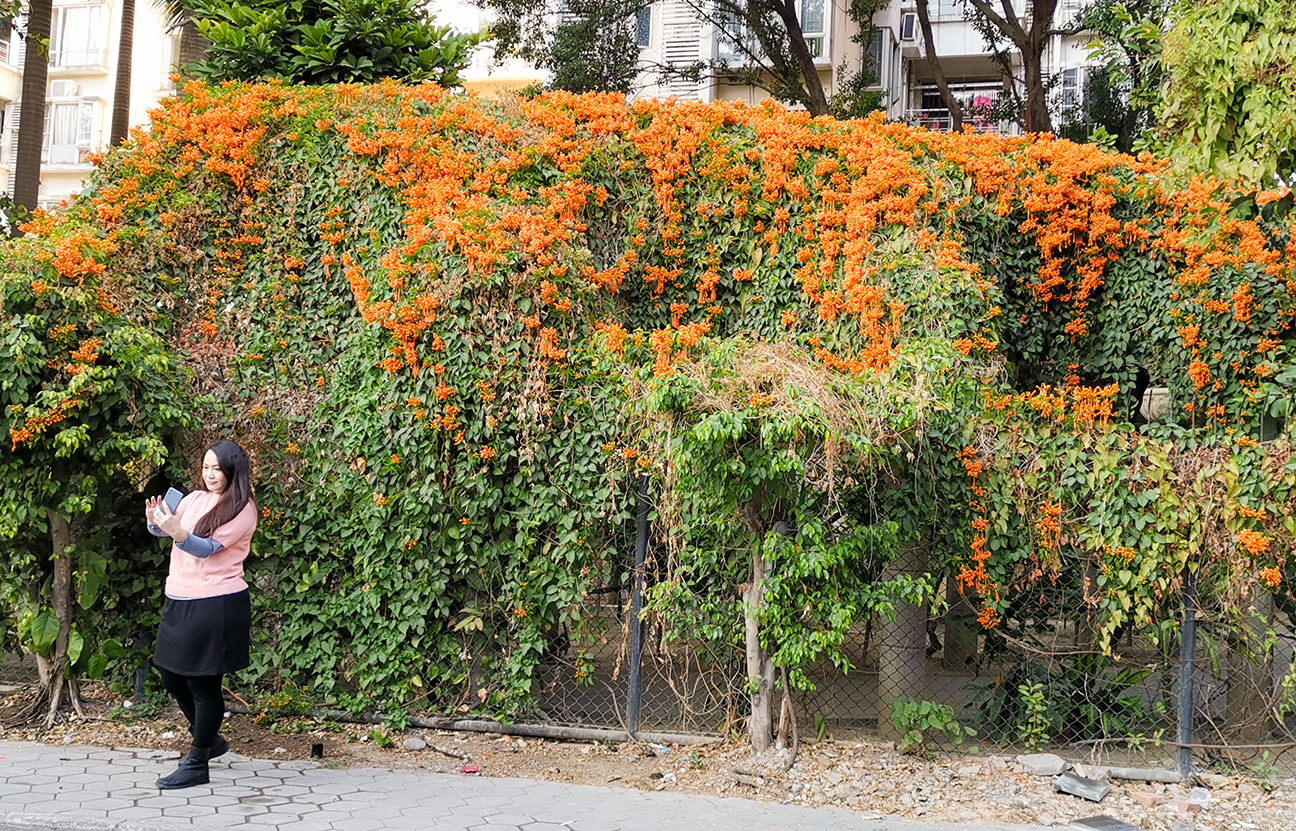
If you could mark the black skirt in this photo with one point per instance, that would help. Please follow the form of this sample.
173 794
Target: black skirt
207 636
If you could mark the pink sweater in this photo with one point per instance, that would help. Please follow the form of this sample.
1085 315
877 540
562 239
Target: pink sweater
222 573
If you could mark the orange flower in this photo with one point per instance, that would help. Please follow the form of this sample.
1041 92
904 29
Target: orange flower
1254 543
1270 577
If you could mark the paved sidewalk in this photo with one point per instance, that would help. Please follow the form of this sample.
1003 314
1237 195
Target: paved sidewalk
92 789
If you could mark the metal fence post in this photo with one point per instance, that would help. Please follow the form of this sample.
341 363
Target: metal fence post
635 678
1187 666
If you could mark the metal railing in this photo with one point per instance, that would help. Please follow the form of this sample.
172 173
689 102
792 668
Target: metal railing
939 118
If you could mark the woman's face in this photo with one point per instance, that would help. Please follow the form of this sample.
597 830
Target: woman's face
212 475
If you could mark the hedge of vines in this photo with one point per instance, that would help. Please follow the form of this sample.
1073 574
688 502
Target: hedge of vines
431 318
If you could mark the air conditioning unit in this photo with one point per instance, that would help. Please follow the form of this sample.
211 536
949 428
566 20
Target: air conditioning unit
908 26
63 89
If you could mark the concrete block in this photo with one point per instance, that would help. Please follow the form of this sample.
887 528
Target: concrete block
1043 764
1079 786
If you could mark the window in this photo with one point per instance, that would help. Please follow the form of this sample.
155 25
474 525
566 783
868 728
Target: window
813 15
948 9
876 56
643 27
68 125
909 26
1072 88
170 49
78 36
6 31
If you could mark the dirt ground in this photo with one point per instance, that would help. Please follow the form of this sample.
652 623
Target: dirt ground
868 777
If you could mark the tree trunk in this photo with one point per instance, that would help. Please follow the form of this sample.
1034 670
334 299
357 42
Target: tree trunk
937 71
122 87
816 98
1030 43
193 46
61 597
760 669
1036 118
31 118
902 642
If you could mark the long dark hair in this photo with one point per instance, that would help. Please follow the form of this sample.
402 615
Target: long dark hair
233 461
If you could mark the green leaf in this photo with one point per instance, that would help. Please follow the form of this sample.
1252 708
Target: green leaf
44 632
76 643
92 580
96 665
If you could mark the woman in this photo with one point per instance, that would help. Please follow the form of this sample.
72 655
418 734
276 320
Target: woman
206 622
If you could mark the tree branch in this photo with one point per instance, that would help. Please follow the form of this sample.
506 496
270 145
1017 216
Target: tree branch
1011 28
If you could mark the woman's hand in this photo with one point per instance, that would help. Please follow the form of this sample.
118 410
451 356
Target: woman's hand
167 521
150 505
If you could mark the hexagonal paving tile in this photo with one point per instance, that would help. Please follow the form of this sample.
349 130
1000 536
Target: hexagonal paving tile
285 790
212 800
26 778
509 818
135 812
190 810
296 808
243 810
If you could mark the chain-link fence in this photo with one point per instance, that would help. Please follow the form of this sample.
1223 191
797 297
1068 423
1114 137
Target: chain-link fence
1032 684
17 670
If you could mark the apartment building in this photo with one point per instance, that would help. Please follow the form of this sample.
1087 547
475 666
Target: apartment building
84 36
973 76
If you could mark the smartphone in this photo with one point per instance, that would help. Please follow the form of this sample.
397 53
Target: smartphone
172 499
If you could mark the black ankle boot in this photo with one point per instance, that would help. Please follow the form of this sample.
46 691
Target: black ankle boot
192 770
219 745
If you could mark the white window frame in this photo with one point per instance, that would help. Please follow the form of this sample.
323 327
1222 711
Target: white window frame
949 10
644 27
170 57
75 151
6 33
1071 89
878 51
908 26
88 51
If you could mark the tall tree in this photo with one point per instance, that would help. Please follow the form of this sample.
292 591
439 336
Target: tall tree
771 48
122 86
594 48
1029 35
938 71
31 117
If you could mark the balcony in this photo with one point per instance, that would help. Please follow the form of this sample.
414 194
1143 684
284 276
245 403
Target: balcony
78 62
976 97
939 119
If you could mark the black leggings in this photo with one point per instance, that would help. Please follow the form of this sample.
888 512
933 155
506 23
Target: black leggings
201 700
